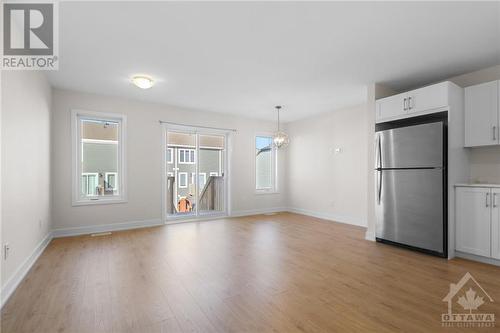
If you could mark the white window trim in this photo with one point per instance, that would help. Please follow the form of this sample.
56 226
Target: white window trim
171 155
274 167
186 174
193 177
76 148
184 150
106 174
216 174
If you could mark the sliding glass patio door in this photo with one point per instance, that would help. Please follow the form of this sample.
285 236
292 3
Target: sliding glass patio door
195 173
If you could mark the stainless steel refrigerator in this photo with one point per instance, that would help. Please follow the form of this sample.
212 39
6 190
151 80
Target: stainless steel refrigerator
410 176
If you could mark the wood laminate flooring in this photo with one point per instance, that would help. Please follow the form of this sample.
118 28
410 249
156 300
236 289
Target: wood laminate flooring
280 273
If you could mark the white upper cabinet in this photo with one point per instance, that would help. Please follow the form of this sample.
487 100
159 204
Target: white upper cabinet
428 98
481 114
473 220
390 107
412 103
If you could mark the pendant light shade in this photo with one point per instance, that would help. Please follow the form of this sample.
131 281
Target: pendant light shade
280 138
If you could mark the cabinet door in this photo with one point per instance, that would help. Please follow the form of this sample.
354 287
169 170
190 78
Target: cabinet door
481 114
473 216
428 98
390 107
495 224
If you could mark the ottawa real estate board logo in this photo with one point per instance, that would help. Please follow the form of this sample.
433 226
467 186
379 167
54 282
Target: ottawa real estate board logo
29 35
464 302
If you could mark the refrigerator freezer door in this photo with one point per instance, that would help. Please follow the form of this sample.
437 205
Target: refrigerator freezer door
410 147
409 207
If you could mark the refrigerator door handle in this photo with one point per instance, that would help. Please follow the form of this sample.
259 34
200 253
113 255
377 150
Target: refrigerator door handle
379 186
379 152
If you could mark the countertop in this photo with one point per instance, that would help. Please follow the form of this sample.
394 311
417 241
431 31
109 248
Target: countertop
477 185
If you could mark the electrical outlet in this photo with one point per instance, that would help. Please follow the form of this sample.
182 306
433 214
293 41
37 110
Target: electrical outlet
6 250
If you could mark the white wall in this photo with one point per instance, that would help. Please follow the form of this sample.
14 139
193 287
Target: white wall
324 183
25 140
144 157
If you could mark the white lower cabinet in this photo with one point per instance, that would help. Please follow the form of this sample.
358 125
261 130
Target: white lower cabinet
495 224
478 221
473 220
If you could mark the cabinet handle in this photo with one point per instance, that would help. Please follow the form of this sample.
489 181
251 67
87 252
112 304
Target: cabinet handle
404 104
487 197
494 133
409 103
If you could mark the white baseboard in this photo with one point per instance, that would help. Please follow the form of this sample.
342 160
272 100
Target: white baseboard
11 285
474 257
239 213
105 227
330 217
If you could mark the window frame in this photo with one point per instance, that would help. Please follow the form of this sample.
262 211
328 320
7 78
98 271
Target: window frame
187 179
274 166
76 152
215 174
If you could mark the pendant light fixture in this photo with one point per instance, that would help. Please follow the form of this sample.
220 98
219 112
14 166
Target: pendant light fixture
280 139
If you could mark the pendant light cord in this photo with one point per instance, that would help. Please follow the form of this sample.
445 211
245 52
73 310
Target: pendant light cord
278 107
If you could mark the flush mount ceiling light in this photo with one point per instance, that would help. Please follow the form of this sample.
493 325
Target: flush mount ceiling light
280 139
142 81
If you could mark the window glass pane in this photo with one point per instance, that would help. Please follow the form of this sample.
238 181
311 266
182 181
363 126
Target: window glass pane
263 162
180 191
99 157
211 163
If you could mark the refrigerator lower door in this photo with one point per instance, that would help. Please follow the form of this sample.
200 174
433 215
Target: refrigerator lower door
409 207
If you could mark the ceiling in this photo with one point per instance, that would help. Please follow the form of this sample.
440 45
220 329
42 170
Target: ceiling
243 58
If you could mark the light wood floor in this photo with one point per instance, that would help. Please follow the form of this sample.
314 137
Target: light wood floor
282 273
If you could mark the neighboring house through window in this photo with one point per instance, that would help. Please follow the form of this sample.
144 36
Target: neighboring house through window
186 156
89 183
183 179
265 164
98 157
170 155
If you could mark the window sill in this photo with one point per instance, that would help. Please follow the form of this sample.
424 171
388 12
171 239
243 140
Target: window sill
98 202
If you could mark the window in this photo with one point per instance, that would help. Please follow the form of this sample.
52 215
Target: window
98 157
170 155
183 180
265 164
202 180
111 183
89 183
186 156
